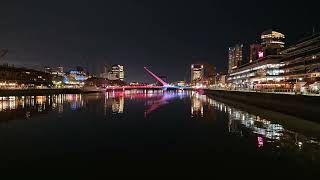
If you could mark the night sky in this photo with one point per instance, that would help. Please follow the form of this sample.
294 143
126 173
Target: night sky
166 36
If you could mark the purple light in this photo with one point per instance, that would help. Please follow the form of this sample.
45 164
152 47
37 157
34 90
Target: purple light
260 142
260 54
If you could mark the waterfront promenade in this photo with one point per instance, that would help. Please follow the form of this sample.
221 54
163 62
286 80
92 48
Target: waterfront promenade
303 106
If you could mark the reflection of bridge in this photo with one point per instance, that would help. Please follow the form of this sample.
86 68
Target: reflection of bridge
164 84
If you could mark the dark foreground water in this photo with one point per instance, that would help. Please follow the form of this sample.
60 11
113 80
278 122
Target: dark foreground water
155 133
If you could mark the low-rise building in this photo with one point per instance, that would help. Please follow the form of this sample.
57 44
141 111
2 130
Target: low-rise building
75 78
22 77
266 72
220 80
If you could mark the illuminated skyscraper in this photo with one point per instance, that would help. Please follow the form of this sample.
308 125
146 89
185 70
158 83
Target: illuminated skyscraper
235 57
272 42
197 72
116 73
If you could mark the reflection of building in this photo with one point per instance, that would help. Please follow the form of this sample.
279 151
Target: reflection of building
239 119
118 105
234 125
196 106
14 107
302 60
116 73
197 73
235 57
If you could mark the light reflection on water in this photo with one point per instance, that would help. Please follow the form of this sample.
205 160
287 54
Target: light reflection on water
266 131
239 122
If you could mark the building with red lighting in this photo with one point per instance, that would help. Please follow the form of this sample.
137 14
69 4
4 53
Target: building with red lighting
272 66
256 52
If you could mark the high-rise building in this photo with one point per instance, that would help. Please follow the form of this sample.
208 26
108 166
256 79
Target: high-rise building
209 73
197 72
235 57
256 52
272 42
116 73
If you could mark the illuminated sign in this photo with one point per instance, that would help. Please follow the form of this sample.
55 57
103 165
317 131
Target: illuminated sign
260 54
260 142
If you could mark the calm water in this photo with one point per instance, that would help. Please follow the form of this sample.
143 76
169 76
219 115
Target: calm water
155 133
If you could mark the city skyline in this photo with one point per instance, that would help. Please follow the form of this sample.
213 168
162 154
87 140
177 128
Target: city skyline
161 88
139 34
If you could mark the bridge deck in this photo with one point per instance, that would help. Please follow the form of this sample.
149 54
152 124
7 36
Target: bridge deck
134 87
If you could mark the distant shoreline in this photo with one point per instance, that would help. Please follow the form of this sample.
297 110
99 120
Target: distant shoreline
37 92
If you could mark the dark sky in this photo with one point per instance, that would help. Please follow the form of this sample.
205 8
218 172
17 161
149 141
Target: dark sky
166 36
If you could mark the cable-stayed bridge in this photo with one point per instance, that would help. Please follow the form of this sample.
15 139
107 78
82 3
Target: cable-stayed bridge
164 85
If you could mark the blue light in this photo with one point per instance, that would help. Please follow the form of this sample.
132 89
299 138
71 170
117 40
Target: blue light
80 78
66 80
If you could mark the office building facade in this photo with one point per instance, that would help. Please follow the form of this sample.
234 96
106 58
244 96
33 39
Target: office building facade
116 73
263 73
272 42
302 60
235 57
197 73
